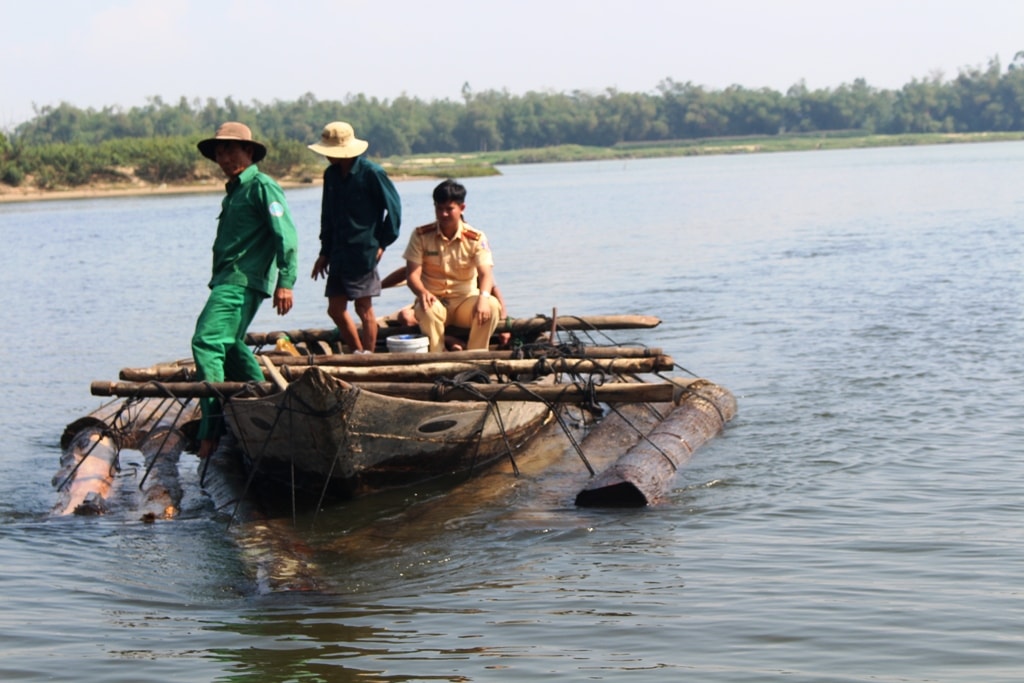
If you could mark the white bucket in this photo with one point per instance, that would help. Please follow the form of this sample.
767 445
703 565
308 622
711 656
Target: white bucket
407 343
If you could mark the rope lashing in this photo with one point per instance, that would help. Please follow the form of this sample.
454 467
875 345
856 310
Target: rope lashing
681 390
465 382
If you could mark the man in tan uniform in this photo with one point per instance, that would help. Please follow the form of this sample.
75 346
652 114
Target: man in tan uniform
449 267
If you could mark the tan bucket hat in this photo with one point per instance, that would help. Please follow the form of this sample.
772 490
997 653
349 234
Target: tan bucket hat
339 141
232 130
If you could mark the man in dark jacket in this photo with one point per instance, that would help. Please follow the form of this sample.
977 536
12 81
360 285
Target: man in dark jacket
360 216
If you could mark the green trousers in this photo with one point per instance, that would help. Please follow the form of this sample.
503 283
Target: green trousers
219 348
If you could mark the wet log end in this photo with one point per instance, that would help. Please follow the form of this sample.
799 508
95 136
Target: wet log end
622 494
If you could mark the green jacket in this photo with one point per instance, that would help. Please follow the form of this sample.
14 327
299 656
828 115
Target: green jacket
358 215
256 244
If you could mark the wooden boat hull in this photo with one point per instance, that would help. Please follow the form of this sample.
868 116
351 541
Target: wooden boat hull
324 434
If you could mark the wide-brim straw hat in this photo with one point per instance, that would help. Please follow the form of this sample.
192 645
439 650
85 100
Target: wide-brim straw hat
339 141
232 130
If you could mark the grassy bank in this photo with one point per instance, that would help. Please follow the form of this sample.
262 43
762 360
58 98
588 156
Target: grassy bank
485 163
482 163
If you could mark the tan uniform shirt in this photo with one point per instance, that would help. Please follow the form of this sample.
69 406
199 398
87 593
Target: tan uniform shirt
449 265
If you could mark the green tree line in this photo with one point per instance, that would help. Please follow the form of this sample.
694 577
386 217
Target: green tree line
66 145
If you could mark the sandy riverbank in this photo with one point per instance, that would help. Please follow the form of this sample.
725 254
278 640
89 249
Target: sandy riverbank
134 189
138 188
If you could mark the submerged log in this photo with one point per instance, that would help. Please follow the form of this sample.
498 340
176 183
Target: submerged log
89 465
159 492
92 445
99 418
128 422
161 442
643 474
558 393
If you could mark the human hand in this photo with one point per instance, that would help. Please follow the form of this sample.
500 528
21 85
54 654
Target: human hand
282 300
320 267
482 311
427 300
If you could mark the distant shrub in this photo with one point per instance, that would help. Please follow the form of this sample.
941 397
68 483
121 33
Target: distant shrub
11 175
45 178
289 157
161 160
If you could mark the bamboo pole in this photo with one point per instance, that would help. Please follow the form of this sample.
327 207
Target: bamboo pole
659 392
518 326
480 355
430 372
273 373
176 372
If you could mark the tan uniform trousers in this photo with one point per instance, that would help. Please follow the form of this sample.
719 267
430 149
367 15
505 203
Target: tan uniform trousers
457 312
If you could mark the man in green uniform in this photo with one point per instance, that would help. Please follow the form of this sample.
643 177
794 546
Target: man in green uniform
254 257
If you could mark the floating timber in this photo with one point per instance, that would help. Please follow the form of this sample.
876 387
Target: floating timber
643 474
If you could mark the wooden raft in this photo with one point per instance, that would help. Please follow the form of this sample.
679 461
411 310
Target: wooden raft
642 476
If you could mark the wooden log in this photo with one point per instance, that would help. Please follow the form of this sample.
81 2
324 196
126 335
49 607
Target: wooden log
643 474
161 443
519 326
181 371
92 445
478 356
89 466
559 393
272 373
179 389
154 414
124 422
98 418
177 371
430 372
159 493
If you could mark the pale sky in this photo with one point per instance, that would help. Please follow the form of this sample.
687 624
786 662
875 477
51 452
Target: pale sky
97 53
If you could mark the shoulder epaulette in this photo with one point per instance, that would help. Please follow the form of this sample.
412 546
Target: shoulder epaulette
471 234
424 229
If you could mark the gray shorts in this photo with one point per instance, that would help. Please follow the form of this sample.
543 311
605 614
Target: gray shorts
352 288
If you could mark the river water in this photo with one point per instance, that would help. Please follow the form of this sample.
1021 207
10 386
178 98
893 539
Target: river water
860 519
